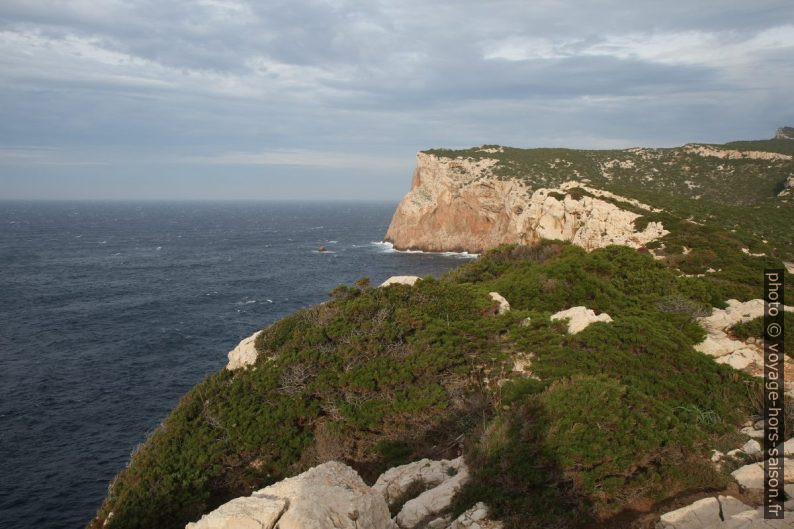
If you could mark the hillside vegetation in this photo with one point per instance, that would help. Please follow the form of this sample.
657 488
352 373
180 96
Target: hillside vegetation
381 376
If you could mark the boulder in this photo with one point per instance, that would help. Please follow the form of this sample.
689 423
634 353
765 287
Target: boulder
752 476
396 482
244 354
432 503
752 448
504 305
328 496
401 280
579 318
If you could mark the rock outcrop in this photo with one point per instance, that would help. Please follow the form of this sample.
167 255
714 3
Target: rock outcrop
329 496
475 518
725 348
752 476
244 354
401 280
333 496
579 318
431 503
731 154
504 305
788 187
702 514
459 205
784 133
396 482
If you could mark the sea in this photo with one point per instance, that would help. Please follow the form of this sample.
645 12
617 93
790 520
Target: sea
109 312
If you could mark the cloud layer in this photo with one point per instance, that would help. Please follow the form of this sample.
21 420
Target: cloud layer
336 95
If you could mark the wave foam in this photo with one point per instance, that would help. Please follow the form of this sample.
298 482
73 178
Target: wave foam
387 247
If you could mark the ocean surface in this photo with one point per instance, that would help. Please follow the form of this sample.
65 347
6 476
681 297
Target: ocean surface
109 312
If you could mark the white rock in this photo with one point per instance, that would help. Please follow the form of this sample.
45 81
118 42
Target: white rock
741 358
475 518
331 495
328 496
243 513
579 318
504 305
730 506
752 476
395 482
752 432
721 345
754 519
704 513
431 503
699 515
716 455
752 448
244 354
401 280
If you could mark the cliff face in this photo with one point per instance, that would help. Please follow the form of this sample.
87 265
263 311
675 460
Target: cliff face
784 133
459 204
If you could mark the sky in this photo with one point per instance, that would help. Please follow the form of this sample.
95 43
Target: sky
270 100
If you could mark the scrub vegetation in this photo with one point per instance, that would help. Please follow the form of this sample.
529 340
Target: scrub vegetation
621 414
381 376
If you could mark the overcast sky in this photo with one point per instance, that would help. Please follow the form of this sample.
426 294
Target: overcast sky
228 99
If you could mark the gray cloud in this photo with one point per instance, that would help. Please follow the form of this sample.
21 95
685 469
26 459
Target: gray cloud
193 89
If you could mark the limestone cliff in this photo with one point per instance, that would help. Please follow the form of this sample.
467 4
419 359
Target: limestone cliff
458 204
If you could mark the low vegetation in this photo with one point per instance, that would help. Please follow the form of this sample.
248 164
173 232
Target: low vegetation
381 376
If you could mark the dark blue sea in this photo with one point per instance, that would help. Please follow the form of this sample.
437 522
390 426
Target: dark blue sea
109 312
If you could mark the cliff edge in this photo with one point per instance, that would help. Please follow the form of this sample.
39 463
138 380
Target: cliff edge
458 204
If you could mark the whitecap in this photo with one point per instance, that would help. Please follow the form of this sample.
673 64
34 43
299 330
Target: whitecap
387 247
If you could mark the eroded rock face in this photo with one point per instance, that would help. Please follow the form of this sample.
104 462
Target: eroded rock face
244 354
580 317
458 205
329 496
